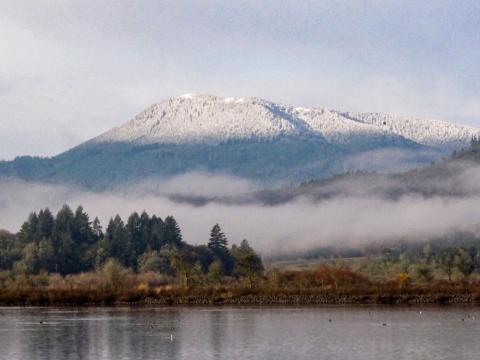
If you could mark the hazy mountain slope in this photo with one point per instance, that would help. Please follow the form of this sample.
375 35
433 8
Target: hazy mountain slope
103 165
249 137
455 177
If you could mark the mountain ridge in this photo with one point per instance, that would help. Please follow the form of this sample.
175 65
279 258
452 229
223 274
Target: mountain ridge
250 138
210 119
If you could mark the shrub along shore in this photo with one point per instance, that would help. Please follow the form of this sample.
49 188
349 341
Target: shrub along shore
323 286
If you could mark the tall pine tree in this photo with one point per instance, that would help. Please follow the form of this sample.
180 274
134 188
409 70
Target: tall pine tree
218 244
218 241
116 241
173 235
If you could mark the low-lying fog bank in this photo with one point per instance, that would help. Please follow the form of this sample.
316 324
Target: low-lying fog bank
352 217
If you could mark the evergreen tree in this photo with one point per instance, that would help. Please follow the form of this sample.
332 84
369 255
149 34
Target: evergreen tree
135 238
218 241
64 220
97 229
10 250
173 235
28 230
84 238
248 263
116 241
156 232
218 244
63 241
145 229
201 254
82 231
45 225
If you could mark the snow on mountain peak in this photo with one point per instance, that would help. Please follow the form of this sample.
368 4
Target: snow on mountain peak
202 118
424 131
234 100
187 96
193 118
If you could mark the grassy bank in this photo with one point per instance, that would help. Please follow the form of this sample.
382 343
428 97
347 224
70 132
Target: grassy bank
323 286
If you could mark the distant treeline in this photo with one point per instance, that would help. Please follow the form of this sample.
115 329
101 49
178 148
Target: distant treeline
70 243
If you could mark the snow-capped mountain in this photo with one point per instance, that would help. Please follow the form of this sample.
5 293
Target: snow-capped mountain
212 119
247 137
423 131
204 119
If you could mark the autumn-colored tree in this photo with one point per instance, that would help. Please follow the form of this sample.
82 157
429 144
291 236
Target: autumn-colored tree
403 280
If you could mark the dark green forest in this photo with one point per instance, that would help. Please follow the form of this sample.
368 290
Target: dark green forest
70 243
286 159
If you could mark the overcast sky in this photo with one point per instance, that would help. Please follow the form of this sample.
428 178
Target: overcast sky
70 70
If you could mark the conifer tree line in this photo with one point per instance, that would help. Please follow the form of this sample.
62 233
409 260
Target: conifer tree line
71 243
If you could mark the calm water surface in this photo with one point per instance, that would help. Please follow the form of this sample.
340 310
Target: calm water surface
241 333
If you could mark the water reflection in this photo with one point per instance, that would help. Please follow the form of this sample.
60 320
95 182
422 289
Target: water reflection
240 333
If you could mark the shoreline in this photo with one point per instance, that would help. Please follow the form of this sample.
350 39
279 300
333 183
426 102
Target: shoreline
292 300
82 297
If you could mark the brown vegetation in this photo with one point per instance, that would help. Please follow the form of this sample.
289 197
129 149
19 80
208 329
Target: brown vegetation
326 285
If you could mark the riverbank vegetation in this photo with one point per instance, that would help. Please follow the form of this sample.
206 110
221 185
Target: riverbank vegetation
114 284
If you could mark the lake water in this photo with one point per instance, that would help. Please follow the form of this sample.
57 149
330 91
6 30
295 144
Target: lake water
241 333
